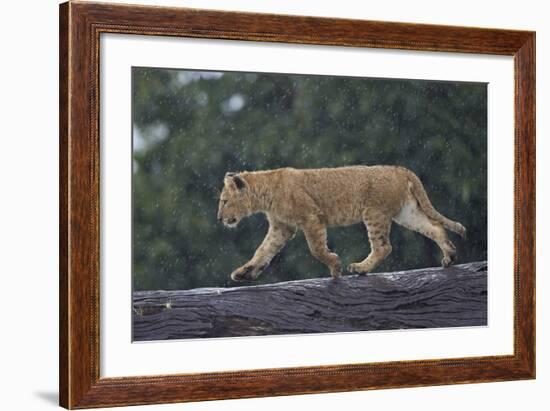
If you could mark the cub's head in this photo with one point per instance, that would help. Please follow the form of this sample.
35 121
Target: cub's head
234 200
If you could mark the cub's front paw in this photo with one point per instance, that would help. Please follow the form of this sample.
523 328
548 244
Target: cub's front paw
357 268
336 271
448 260
244 273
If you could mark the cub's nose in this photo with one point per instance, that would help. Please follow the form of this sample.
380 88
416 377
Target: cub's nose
219 219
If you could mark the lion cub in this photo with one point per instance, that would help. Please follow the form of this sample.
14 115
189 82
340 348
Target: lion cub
311 200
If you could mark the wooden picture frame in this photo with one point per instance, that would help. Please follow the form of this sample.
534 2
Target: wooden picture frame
80 27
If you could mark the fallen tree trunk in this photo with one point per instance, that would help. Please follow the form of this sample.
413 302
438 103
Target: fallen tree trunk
424 298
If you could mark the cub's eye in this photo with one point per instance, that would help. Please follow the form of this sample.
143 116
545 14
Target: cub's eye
224 202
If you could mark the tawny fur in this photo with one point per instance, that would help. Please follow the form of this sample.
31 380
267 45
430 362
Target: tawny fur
313 199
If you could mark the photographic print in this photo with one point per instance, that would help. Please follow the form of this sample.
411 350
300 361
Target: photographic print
272 204
264 194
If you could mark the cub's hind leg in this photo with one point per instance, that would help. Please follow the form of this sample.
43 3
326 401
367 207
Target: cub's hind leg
412 217
378 227
316 236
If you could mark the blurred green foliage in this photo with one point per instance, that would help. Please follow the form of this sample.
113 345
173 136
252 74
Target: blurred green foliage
190 128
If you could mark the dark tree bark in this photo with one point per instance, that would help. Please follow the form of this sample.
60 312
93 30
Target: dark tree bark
424 298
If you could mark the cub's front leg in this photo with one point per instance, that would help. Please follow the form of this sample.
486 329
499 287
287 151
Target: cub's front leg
276 238
316 236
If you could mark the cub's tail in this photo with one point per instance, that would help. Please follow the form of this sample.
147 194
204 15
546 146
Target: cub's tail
417 188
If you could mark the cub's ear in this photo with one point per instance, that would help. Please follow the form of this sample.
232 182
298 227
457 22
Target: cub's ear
228 178
239 182
233 179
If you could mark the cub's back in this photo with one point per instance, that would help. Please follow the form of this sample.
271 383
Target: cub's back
343 193
347 180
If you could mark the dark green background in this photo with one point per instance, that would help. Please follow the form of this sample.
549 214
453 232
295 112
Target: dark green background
191 127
